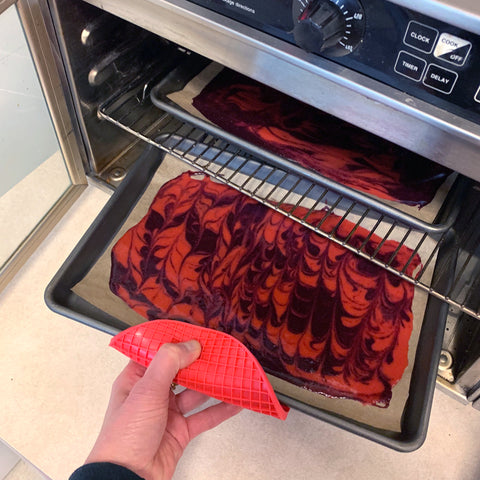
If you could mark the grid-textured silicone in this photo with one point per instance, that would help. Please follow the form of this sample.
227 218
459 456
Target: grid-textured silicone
226 369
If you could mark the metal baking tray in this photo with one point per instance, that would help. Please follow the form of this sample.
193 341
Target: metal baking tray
60 298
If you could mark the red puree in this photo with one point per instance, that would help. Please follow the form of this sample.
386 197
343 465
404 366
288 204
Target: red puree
318 141
312 312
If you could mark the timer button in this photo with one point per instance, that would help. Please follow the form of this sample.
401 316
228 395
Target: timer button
410 66
420 36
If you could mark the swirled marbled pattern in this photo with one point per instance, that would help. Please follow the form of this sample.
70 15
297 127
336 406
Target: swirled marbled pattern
320 142
311 311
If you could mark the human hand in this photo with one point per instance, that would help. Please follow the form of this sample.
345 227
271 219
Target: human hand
145 428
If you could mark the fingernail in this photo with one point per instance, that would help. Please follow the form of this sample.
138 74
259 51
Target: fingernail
192 346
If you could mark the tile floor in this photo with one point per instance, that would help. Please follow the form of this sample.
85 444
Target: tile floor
27 139
48 182
13 467
24 471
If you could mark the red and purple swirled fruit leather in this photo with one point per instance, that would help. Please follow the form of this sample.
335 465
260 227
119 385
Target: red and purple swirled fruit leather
225 370
312 312
318 141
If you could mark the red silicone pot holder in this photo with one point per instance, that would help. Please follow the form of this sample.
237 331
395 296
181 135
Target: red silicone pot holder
226 369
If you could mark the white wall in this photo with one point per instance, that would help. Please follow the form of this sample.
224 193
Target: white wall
27 136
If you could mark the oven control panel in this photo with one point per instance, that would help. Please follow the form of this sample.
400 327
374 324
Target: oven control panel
426 58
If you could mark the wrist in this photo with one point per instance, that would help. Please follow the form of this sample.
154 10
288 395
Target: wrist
104 471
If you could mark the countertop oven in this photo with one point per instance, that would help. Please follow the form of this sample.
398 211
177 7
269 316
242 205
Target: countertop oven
406 72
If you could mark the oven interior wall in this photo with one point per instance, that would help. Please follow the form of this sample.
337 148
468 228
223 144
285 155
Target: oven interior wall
104 54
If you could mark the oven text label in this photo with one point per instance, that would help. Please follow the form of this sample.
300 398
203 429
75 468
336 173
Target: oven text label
241 6
421 38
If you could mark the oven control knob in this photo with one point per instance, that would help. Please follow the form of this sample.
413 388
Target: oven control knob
330 27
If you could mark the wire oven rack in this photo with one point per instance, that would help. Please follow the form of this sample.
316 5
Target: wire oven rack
279 185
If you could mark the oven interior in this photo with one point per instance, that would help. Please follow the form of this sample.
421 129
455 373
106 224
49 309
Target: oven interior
113 66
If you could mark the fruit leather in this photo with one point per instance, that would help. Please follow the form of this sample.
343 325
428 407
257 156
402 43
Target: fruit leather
315 140
312 312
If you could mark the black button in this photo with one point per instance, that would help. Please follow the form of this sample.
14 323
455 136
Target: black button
452 49
420 36
440 79
410 66
477 96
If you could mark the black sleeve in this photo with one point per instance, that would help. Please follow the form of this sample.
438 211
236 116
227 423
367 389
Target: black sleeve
103 471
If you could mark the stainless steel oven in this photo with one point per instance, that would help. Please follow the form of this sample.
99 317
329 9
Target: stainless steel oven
406 72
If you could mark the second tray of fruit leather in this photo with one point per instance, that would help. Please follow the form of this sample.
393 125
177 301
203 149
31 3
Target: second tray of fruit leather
95 289
319 142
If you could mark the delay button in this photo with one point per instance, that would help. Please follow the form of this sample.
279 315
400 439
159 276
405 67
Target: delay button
440 78
410 66
420 36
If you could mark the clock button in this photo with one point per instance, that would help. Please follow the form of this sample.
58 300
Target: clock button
420 36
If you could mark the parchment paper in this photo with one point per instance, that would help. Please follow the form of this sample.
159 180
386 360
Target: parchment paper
184 99
95 289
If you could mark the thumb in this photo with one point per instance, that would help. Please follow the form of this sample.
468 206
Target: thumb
170 358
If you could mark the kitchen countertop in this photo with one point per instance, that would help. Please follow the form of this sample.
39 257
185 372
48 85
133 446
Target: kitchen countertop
56 374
